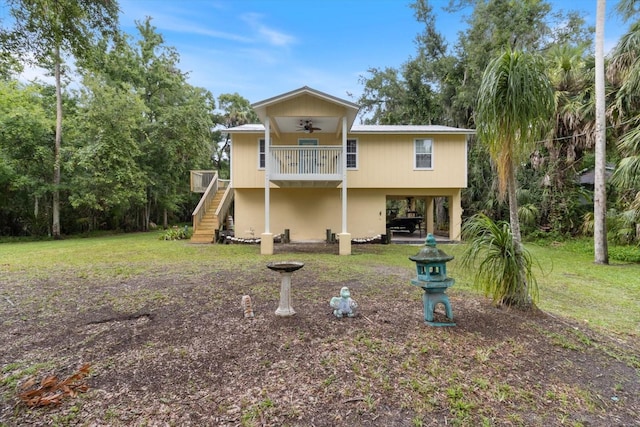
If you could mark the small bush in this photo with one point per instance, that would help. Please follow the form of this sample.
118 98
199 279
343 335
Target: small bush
502 268
176 233
625 253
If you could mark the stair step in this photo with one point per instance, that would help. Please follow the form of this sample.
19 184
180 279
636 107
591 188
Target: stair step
209 223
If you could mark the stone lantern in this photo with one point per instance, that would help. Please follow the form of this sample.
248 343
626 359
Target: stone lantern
431 268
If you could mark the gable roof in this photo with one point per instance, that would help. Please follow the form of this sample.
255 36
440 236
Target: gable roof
289 111
302 91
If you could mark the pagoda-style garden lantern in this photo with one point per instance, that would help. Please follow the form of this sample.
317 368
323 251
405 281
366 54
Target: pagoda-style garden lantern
431 266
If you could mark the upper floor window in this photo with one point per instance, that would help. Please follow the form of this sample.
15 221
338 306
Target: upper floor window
261 154
352 153
423 154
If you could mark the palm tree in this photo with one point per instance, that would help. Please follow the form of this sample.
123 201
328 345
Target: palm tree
600 189
516 104
515 108
572 77
623 72
503 270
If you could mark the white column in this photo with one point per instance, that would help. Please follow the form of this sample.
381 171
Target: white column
266 238
267 172
344 174
345 237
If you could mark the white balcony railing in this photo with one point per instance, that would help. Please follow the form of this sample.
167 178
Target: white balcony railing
305 162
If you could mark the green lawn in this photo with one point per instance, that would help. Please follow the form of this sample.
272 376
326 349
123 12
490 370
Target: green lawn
570 283
161 325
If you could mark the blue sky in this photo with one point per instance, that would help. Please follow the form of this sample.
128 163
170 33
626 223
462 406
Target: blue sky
262 48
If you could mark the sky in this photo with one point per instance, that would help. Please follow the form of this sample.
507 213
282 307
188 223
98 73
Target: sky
263 48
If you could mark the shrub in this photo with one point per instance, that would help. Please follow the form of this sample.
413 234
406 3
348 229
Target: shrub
501 267
176 233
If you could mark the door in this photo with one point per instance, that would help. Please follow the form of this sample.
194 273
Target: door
308 158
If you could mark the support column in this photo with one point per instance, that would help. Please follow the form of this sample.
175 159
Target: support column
266 238
345 238
455 215
428 215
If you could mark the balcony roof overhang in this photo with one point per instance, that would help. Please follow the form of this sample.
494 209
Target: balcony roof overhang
289 110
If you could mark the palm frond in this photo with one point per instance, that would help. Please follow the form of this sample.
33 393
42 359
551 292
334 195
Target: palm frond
515 106
502 267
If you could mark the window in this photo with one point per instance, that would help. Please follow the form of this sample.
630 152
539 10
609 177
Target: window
261 154
352 153
423 153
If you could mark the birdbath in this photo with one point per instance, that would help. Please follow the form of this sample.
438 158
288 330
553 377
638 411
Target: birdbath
285 269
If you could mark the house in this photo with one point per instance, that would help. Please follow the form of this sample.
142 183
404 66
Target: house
308 169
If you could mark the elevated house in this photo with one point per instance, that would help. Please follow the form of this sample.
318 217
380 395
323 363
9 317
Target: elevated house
308 168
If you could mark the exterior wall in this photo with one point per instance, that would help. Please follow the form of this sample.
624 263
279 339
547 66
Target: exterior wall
305 105
388 161
384 161
245 162
308 213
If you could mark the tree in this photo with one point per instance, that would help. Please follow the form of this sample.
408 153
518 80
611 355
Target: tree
47 30
570 71
623 73
236 111
600 189
26 160
514 111
493 26
177 132
502 268
106 179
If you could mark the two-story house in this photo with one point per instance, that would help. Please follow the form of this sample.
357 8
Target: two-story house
308 168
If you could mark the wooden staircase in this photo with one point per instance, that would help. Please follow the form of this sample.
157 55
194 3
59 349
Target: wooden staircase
205 230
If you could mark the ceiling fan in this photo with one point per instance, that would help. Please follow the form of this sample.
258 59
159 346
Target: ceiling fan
307 126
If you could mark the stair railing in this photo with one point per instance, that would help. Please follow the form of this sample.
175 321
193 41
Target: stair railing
225 204
205 201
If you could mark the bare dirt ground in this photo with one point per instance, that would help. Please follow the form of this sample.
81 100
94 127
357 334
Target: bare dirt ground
173 348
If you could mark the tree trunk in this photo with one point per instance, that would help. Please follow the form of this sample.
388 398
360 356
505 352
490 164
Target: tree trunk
513 207
520 298
600 189
55 229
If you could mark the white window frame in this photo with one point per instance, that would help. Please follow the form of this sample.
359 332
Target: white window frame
415 154
262 154
355 140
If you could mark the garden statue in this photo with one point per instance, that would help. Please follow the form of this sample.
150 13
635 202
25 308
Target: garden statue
344 305
247 309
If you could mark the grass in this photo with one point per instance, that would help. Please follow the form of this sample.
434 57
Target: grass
571 285
468 375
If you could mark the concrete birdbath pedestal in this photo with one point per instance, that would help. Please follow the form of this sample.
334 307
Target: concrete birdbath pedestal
285 269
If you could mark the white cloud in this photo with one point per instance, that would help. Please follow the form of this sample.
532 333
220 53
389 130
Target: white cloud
270 35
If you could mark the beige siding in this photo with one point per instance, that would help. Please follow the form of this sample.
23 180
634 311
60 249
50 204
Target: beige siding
309 213
388 161
305 105
384 161
306 213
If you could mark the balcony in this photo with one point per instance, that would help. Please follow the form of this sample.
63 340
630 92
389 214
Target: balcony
305 166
